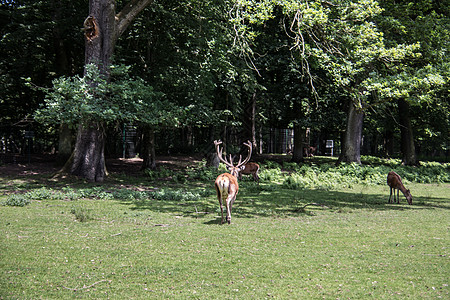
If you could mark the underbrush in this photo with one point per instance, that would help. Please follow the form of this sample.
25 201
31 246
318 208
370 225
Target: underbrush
98 193
272 175
296 238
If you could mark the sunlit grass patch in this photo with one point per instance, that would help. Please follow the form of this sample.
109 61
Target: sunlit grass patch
327 234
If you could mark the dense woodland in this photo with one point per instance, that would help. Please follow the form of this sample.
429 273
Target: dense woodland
89 80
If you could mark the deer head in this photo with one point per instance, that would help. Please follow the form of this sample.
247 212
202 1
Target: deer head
408 197
234 169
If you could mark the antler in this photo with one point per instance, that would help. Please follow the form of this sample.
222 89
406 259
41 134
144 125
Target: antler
230 162
249 155
219 154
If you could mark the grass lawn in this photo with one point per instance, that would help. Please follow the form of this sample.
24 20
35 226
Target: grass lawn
354 246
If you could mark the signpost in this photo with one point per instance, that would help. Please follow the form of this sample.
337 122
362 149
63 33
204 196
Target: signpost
330 145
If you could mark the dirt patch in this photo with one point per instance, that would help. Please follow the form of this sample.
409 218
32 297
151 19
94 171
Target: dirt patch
45 165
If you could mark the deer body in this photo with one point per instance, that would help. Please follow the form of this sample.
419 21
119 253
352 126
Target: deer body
309 151
226 184
394 181
251 168
227 189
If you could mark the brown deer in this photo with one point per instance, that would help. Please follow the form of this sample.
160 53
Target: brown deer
226 184
309 151
395 183
251 168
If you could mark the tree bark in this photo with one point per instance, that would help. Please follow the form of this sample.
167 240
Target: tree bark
299 137
102 28
89 155
351 148
389 142
148 149
407 138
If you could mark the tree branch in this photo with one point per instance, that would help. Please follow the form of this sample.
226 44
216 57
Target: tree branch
128 13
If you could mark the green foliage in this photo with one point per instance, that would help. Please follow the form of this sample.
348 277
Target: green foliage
203 173
92 97
40 40
42 194
174 195
328 176
129 195
196 172
16 200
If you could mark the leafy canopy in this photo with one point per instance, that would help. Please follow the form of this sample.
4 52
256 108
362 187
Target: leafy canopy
91 97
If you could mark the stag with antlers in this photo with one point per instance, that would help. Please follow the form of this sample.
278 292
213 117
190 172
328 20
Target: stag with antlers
226 184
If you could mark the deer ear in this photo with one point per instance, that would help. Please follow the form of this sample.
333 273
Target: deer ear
243 168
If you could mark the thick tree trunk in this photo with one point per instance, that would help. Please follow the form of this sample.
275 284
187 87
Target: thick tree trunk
148 149
407 138
101 28
89 157
351 148
299 137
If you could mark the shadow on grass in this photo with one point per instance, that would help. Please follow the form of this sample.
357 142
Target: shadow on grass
274 201
253 200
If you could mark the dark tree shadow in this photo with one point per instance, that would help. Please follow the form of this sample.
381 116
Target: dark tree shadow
279 202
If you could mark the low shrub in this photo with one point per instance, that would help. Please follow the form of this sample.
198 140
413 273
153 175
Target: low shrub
130 195
81 214
17 200
175 195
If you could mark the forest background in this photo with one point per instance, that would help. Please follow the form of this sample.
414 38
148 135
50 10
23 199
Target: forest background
371 75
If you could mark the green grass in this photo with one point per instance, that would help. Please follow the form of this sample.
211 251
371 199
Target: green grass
107 241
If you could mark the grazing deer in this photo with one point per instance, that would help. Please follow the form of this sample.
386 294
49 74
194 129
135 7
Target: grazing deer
226 184
251 168
395 183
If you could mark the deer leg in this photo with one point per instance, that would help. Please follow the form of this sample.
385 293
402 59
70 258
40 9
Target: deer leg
390 196
229 206
230 201
221 212
219 196
398 198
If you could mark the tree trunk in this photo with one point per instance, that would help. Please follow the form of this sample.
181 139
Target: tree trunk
351 148
407 138
249 123
148 149
89 157
389 142
253 121
299 137
101 28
